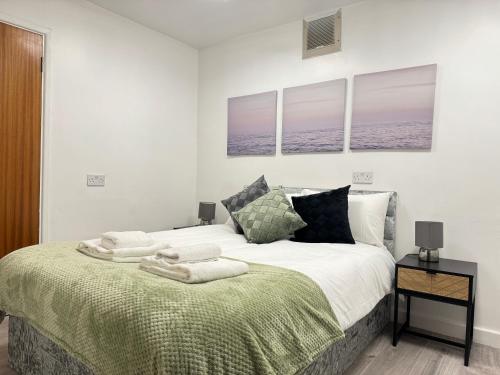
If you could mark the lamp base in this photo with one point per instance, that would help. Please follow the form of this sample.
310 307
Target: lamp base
428 255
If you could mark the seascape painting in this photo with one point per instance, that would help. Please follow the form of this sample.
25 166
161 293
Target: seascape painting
394 109
252 124
313 117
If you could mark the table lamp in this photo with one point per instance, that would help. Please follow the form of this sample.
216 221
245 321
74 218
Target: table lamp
206 213
429 237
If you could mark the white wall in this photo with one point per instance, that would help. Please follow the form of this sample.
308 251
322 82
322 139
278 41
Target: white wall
457 182
121 100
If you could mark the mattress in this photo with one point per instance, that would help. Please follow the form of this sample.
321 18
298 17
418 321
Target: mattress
353 278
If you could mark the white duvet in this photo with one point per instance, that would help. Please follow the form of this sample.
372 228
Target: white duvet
354 278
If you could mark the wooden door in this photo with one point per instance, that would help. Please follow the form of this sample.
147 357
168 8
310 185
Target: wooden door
21 54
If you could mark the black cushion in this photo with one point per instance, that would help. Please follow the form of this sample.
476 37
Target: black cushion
326 217
249 194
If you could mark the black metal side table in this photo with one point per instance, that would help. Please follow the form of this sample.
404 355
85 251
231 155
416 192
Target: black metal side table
448 281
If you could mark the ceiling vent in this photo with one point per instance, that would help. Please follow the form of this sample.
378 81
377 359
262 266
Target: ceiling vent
322 35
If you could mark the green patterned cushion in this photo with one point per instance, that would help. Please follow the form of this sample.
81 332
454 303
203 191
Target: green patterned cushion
269 218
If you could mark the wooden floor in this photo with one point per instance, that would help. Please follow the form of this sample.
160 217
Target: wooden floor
417 356
412 356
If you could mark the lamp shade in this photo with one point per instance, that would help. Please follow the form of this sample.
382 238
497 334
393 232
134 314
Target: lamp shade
206 211
429 234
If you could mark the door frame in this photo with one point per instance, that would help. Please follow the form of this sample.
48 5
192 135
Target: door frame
46 115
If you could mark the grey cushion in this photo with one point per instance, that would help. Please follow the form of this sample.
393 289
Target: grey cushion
269 218
249 194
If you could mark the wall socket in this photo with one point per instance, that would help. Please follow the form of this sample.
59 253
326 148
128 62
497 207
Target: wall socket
362 177
96 180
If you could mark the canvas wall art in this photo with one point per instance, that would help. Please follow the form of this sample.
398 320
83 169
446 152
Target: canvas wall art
394 109
313 117
252 124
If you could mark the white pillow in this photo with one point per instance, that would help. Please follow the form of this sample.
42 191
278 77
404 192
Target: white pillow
230 222
310 192
290 195
367 217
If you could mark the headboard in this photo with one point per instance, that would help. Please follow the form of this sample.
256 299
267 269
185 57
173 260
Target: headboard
390 218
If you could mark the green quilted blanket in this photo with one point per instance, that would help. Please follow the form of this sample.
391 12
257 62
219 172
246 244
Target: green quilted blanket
119 320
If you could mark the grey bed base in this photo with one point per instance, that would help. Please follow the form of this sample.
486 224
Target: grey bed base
31 353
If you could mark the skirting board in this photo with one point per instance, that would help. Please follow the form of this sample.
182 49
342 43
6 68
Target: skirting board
451 328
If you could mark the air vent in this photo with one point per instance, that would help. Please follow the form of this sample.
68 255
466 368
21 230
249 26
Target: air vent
322 35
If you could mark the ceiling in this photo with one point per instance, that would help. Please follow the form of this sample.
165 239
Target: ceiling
201 23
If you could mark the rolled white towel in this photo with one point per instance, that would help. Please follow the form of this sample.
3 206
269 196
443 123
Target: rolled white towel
123 240
194 253
193 273
126 255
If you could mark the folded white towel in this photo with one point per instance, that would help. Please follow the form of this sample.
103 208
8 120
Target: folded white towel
126 255
123 240
193 273
194 253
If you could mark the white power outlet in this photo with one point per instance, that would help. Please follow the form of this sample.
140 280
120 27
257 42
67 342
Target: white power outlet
362 177
96 180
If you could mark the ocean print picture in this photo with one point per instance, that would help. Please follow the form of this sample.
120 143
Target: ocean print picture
394 109
252 124
313 117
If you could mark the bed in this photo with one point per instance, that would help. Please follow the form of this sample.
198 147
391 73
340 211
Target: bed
355 280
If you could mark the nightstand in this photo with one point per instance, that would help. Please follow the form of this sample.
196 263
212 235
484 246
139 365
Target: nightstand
448 281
